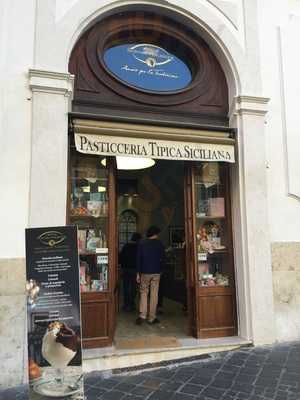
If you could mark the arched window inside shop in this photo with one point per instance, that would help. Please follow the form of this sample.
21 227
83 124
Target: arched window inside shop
127 226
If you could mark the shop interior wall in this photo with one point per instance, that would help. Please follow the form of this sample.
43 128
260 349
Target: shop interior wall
17 20
160 197
279 37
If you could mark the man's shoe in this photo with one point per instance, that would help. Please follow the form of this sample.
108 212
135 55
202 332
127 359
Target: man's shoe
139 321
154 321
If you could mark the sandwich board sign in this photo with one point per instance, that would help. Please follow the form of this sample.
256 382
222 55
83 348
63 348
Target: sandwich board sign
53 313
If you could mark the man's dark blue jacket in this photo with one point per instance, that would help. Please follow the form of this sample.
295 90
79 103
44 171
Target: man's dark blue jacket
150 256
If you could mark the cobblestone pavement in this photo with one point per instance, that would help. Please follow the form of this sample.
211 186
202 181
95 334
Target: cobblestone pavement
261 373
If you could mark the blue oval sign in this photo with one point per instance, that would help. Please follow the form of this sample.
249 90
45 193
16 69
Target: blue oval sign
148 67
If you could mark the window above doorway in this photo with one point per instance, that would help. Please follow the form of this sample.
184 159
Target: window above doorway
143 61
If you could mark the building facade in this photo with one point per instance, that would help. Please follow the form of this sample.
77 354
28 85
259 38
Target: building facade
44 103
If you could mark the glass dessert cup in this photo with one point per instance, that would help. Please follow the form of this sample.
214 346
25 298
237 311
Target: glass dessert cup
59 385
59 347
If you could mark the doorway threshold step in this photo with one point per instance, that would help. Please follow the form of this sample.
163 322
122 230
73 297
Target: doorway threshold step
112 358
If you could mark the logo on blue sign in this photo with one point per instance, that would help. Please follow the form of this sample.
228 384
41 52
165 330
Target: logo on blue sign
148 67
150 55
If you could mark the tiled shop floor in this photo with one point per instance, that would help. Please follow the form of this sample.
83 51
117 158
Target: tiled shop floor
261 373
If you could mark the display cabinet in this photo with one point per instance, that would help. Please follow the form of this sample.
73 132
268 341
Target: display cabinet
90 187
212 233
210 251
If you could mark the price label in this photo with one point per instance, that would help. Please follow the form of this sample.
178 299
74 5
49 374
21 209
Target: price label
102 259
202 256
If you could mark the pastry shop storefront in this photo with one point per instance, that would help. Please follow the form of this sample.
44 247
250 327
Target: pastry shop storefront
150 143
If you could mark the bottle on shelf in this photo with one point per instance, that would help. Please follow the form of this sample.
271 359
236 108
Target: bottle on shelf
104 241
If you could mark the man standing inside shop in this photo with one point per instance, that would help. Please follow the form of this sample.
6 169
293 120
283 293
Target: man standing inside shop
127 259
150 261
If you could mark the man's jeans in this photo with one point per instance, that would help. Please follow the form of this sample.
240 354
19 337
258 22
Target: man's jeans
149 281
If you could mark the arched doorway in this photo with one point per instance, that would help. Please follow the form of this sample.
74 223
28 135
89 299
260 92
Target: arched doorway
144 73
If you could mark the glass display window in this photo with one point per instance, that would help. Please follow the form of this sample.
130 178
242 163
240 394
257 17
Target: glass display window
88 209
213 244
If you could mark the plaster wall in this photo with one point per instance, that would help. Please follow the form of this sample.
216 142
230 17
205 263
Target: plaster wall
279 24
279 36
16 57
17 26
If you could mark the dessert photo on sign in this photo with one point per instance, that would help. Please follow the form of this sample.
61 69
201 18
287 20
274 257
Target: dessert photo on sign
56 373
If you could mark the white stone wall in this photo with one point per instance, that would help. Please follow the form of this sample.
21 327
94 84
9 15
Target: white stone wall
17 26
279 40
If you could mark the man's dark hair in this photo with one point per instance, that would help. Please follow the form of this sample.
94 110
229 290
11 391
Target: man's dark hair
136 237
152 230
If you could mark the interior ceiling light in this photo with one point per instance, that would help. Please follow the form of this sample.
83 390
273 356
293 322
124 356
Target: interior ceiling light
132 163
101 189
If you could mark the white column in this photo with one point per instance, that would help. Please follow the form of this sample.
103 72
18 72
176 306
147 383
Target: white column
51 95
251 228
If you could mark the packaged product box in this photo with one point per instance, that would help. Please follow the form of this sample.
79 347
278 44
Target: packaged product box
83 283
81 240
216 207
93 241
94 208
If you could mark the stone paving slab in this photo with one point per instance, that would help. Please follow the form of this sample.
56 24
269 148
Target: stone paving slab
250 373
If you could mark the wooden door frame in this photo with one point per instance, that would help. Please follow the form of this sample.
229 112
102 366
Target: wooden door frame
195 292
190 254
112 244
101 300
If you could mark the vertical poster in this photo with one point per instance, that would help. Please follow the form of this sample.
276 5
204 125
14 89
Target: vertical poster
53 311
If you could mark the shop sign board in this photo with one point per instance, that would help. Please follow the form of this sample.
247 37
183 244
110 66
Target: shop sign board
157 149
53 313
148 67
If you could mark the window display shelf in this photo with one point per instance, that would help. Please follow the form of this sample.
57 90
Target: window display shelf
87 216
90 179
212 240
218 251
97 252
209 184
213 252
207 217
88 209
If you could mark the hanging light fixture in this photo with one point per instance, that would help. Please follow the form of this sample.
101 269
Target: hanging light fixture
132 163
